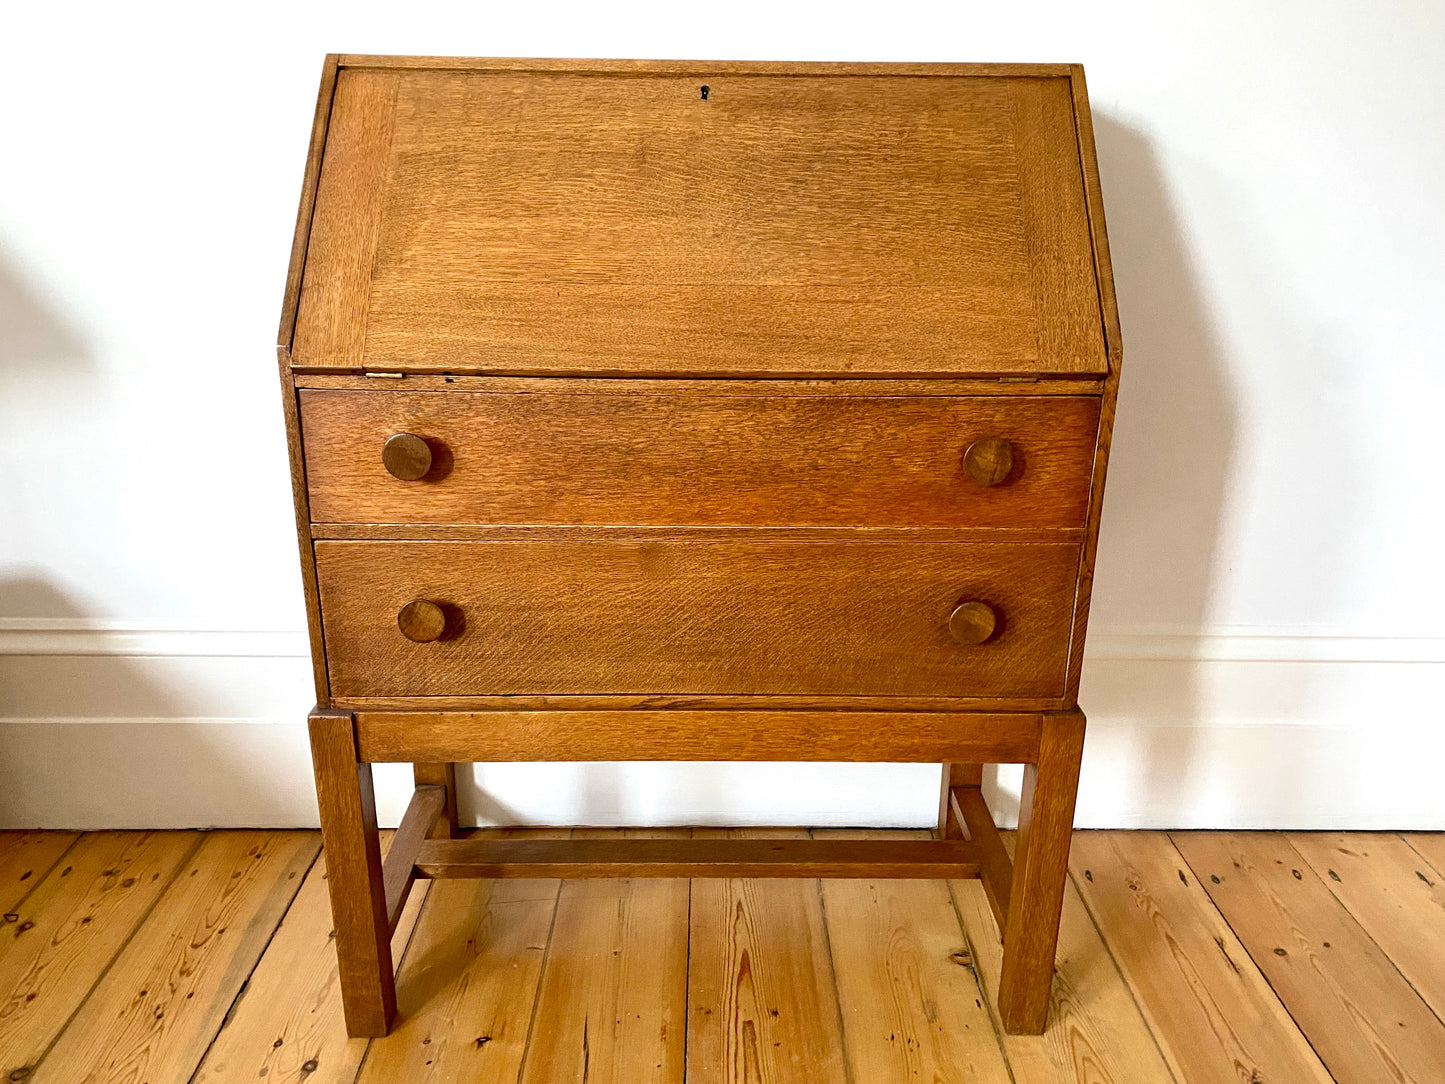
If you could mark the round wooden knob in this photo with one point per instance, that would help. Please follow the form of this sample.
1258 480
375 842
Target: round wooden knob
406 456
972 622
421 621
989 460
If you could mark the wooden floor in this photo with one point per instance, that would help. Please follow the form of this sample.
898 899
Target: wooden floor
1209 958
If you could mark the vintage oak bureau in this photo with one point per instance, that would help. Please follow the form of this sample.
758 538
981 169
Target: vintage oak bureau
698 411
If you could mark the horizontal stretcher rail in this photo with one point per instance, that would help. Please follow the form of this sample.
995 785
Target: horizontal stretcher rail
643 734
696 858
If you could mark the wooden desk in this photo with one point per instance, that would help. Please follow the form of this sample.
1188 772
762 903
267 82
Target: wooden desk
698 411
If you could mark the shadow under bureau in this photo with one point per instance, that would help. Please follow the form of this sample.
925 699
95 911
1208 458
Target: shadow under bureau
698 411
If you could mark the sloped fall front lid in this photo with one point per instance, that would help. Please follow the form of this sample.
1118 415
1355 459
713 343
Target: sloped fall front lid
706 220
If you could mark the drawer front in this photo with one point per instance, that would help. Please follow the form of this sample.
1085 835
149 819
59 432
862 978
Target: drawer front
699 459
806 618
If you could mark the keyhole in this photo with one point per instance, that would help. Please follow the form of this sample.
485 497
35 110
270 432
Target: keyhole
705 89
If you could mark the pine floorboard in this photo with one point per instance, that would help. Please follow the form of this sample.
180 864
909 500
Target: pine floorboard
1184 958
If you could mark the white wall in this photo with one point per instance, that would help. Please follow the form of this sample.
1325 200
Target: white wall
1268 637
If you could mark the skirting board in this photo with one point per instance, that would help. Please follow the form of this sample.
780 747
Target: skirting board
1205 733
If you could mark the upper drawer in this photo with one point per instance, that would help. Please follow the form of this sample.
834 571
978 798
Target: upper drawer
677 221
700 459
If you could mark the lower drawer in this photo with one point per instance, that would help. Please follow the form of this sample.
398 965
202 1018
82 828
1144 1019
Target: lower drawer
852 618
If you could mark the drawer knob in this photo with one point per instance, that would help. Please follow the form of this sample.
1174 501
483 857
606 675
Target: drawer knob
989 460
972 622
422 621
406 456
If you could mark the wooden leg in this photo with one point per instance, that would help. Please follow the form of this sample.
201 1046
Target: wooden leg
353 874
1041 861
955 775
440 775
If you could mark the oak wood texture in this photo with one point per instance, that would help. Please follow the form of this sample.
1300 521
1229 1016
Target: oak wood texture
762 1000
1095 1032
525 222
347 806
426 805
1114 345
287 1026
996 870
1040 867
421 621
285 336
1393 892
152 1015
70 927
577 65
853 474
954 775
1211 1011
695 618
501 736
697 857
910 1011
1361 1015
826 387
989 460
972 622
435 774
405 456
697 460
612 1005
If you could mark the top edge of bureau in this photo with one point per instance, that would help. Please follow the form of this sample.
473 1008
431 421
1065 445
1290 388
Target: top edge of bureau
622 66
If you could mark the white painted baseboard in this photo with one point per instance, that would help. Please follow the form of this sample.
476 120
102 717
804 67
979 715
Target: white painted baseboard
112 726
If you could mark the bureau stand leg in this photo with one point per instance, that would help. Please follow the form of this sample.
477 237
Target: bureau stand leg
955 775
1041 863
445 776
353 873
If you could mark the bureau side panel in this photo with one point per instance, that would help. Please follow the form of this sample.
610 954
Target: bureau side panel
290 301
1113 341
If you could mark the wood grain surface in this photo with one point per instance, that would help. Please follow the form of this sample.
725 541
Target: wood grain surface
762 1002
467 986
788 224
695 618
1361 1015
869 981
1393 892
154 1013
25 859
910 1011
69 928
1095 1033
1211 1011
701 460
287 1026
691 735
612 1008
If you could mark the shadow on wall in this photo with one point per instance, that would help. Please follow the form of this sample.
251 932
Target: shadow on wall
1176 463
1169 463
34 335
92 740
